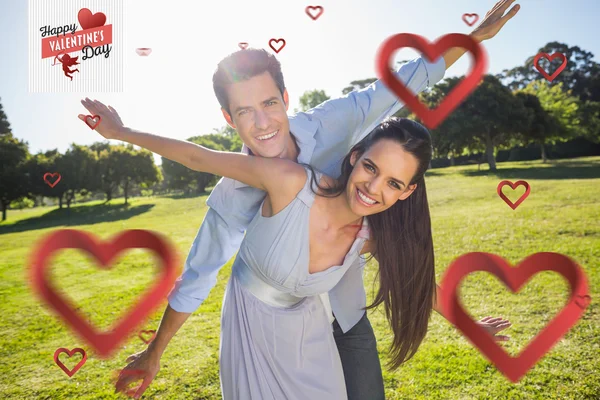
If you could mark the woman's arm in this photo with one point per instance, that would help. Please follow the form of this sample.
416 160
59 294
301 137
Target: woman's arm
272 175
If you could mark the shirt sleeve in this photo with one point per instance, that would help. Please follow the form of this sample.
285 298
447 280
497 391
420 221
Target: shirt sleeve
215 243
347 120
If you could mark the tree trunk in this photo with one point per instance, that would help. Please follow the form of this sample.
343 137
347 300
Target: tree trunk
452 160
60 199
544 157
4 206
125 189
489 151
108 194
69 199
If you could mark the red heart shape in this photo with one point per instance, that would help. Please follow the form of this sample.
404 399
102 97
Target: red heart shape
514 368
93 118
467 16
70 353
431 118
152 335
513 187
550 78
87 20
277 41
104 343
310 9
243 45
52 175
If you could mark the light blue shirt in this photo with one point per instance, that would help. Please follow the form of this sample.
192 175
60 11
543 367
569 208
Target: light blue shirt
325 134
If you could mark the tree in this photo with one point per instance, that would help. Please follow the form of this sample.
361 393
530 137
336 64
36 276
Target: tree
358 85
4 124
128 166
311 99
488 118
36 167
13 183
562 122
77 168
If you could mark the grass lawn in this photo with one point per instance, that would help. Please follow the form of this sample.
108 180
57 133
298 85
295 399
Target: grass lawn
561 215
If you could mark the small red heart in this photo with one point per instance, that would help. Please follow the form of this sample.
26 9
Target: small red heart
52 175
550 78
143 51
152 335
513 187
467 16
277 41
583 301
103 343
87 20
93 121
70 353
432 51
243 45
310 10
514 368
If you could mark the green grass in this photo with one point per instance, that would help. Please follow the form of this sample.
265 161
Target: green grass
561 215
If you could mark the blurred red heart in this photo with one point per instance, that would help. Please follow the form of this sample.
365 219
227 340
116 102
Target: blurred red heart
550 78
310 10
103 343
47 174
70 353
93 121
514 368
87 20
277 41
243 45
475 17
432 51
141 335
143 51
513 187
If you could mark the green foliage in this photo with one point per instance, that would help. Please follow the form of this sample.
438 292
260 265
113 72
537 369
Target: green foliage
21 203
312 98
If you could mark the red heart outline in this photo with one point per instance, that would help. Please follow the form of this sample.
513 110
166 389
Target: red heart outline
277 41
550 78
513 186
147 341
514 368
52 175
308 10
103 343
432 51
465 16
92 118
70 353
87 20
243 45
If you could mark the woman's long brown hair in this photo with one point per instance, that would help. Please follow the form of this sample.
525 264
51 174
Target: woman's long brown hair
403 241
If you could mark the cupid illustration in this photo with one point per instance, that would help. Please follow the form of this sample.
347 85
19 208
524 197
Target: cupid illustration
67 61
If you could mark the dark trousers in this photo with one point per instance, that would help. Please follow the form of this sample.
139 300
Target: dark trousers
360 361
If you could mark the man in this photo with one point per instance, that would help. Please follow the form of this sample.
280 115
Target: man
250 88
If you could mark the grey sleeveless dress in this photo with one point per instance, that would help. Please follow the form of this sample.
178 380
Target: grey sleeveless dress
276 332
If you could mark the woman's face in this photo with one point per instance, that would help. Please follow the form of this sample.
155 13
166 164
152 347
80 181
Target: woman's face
380 177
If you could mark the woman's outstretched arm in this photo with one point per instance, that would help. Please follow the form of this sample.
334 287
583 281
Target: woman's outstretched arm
268 174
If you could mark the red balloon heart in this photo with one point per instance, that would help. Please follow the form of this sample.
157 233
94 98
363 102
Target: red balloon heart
277 41
514 368
93 121
513 187
47 174
70 353
87 20
550 78
243 45
310 11
104 343
432 52
475 17
152 336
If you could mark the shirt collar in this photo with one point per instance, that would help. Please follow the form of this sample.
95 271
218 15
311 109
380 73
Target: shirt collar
303 130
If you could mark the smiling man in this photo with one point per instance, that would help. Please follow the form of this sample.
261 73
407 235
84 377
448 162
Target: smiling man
250 88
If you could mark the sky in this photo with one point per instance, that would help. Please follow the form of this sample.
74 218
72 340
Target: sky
170 93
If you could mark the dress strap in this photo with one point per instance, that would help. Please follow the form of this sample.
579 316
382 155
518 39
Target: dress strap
307 195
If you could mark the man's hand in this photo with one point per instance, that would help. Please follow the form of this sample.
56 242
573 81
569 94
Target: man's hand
111 125
494 20
143 365
493 326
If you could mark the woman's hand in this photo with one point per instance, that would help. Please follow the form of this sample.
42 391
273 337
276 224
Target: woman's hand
110 125
493 326
494 20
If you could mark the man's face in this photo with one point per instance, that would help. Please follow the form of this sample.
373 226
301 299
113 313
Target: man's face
259 114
